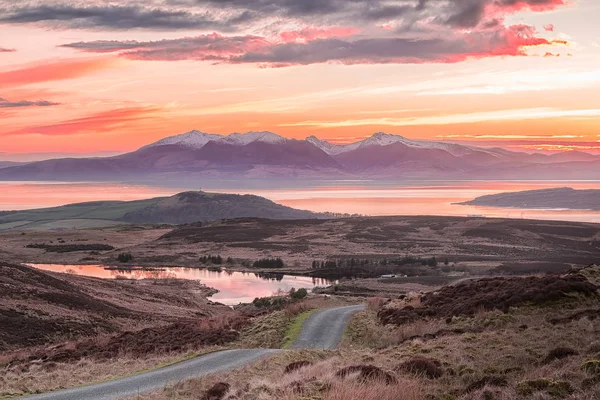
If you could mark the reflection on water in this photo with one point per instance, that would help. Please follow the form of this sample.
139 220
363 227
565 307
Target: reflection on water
233 287
363 197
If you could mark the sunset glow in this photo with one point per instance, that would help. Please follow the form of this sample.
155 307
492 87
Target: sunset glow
96 76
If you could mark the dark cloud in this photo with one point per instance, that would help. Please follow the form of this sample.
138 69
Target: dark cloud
470 13
5 50
119 17
378 31
350 10
234 15
25 103
458 13
500 41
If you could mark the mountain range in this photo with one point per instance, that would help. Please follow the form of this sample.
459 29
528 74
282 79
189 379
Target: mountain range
265 155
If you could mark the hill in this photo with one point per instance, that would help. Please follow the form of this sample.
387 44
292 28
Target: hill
65 306
182 208
544 198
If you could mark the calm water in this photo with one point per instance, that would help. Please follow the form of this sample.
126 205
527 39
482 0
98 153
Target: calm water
233 287
354 197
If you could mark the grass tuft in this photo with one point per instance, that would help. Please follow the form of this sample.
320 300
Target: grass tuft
295 328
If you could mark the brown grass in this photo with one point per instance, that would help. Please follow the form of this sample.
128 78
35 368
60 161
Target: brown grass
470 297
365 328
367 373
180 337
375 391
37 377
423 366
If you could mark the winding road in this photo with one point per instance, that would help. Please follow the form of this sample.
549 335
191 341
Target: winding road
323 329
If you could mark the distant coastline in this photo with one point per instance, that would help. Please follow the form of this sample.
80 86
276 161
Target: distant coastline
564 198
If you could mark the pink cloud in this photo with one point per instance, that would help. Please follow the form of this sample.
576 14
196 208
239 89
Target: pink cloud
549 28
315 33
455 47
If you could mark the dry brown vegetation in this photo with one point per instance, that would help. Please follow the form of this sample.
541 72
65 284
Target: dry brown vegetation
519 246
327 377
60 330
498 338
137 344
65 307
470 297
488 354
180 337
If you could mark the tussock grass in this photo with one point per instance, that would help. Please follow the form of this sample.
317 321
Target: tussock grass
375 391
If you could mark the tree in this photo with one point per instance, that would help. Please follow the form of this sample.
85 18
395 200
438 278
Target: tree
125 257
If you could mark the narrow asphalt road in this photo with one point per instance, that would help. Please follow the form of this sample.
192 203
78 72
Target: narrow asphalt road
322 330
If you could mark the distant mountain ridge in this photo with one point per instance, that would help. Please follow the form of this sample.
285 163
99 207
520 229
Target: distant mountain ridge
555 198
196 155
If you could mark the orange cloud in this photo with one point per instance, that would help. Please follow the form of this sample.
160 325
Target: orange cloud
104 121
53 71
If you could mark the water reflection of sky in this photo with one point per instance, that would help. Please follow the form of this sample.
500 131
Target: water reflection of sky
233 287
360 197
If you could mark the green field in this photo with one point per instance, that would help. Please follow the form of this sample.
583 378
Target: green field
75 216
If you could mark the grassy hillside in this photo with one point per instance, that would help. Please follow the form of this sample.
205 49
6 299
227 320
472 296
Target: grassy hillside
182 208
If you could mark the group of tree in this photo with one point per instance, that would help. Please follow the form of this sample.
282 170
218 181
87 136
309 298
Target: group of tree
216 260
358 262
268 263
68 248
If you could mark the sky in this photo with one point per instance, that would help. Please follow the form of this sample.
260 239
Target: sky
95 77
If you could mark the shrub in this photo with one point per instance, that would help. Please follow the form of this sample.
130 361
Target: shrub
591 367
125 257
367 373
560 353
554 388
429 367
217 392
278 302
470 297
261 302
499 381
296 366
298 294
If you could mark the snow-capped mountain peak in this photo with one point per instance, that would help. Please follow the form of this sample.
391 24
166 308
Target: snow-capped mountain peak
330 148
196 139
241 139
386 139
378 139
